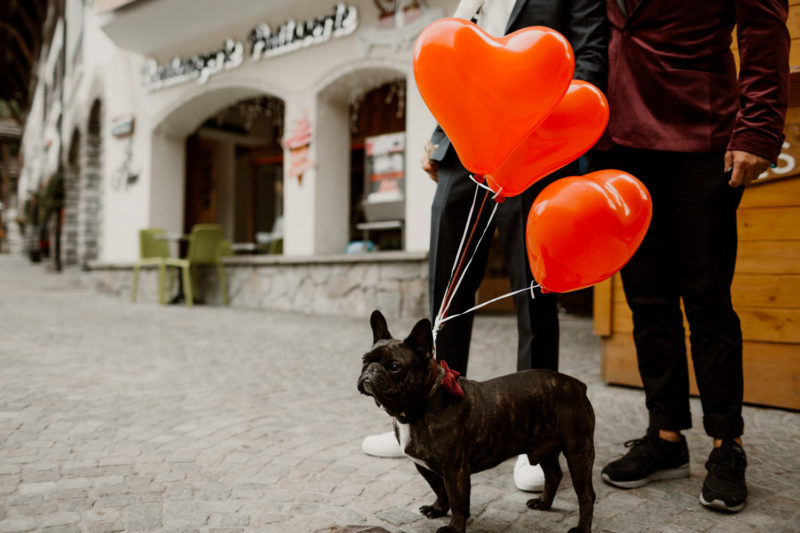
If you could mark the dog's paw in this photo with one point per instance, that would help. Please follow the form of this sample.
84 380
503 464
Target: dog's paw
432 512
538 504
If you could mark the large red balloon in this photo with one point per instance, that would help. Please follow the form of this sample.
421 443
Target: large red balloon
488 93
583 229
576 123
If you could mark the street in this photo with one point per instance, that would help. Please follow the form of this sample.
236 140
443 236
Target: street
117 416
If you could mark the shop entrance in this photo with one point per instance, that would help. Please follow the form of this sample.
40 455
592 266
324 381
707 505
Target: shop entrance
234 174
377 174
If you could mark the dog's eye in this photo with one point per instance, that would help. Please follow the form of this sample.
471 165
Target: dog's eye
393 367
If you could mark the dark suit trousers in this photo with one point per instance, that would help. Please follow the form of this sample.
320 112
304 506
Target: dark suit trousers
688 254
537 319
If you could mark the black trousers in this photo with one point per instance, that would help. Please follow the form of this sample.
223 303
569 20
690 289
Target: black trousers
537 318
688 254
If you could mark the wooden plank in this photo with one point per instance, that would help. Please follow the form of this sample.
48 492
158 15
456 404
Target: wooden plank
770 325
759 324
793 115
777 223
793 23
785 193
794 52
602 308
781 257
755 290
771 371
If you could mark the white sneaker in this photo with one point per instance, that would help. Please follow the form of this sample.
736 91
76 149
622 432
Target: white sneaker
382 445
528 477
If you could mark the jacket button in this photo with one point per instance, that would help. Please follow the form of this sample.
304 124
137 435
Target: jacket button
626 34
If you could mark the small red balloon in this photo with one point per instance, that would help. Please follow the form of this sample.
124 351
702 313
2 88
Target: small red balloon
583 229
488 93
574 126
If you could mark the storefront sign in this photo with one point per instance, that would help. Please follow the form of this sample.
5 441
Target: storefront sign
291 35
288 37
122 126
199 67
299 145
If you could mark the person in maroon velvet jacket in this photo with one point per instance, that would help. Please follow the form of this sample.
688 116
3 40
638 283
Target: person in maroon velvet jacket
694 133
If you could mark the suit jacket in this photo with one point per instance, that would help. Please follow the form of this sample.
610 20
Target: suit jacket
582 22
672 79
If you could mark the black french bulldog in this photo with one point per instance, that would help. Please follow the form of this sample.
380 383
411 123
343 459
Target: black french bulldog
540 413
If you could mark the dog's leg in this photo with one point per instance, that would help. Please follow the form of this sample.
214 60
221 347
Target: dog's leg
580 469
458 487
552 478
441 505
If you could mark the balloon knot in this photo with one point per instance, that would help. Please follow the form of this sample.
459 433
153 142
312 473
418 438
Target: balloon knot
499 198
480 178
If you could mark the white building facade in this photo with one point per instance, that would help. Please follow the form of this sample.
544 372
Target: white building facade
141 77
144 83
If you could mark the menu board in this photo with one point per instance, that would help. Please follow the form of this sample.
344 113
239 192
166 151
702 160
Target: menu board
384 175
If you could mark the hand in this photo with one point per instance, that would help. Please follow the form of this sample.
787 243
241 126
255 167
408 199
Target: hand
746 167
429 166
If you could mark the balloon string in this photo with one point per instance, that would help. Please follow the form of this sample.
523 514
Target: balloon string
459 261
463 238
534 285
459 272
474 251
458 258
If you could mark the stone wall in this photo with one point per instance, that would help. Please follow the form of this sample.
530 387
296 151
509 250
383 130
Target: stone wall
353 285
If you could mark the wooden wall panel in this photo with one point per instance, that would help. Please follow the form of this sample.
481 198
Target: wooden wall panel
602 308
766 367
780 257
775 194
774 223
754 290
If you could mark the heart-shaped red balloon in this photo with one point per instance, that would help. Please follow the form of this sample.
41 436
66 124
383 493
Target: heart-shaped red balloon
568 132
583 229
488 93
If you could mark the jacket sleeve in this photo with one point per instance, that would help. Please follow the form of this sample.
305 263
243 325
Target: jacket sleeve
442 143
588 29
763 76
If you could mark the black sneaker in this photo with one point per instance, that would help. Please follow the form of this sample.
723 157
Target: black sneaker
651 458
725 487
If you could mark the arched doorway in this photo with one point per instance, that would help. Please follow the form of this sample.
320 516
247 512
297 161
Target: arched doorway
198 147
234 173
359 105
90 190
377 166
72 177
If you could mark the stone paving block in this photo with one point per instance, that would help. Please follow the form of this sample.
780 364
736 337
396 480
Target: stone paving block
144 516
13 525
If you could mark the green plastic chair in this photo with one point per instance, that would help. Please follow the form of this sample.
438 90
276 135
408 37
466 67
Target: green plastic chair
152 251
205 248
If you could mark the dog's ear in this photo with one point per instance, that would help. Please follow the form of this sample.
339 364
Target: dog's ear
380 331
421 339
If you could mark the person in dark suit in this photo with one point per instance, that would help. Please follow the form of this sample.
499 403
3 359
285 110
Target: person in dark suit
694 133
583 23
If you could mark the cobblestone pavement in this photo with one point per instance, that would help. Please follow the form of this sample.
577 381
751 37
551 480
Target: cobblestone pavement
117 416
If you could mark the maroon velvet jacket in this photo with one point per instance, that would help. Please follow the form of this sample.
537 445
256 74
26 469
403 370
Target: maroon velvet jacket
672 78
